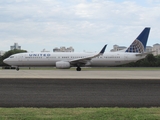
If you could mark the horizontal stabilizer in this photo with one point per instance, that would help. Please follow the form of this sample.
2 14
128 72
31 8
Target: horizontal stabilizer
145 53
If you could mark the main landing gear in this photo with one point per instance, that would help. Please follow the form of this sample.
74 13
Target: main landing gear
78 69
17 68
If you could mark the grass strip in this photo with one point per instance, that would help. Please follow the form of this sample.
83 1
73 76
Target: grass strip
79 113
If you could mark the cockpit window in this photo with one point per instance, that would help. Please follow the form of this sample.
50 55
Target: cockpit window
12 57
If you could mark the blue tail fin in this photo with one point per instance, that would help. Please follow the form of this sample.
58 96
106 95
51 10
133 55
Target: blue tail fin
139 45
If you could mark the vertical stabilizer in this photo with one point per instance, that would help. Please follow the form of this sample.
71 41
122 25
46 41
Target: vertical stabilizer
139 45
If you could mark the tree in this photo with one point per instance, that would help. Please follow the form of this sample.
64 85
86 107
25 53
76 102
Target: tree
157 61
9 53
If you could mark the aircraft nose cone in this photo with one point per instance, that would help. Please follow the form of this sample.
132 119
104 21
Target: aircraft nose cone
5 60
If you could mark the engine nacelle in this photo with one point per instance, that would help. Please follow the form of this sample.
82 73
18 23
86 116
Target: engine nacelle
63 65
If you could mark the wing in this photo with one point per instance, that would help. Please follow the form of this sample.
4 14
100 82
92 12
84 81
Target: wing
84 60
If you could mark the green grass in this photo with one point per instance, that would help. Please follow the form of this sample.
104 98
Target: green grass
79 113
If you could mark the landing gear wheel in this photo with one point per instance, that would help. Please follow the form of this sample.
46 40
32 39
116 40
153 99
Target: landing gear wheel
17 68
78 69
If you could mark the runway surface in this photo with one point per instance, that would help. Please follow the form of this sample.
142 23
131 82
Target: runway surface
68 74
27 92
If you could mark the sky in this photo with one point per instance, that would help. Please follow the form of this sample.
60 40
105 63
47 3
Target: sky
86 25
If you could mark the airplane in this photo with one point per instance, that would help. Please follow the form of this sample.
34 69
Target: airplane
133 53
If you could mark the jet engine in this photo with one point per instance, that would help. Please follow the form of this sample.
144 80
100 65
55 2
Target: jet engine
63 65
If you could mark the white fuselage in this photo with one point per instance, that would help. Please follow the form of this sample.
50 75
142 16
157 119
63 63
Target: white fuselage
50 59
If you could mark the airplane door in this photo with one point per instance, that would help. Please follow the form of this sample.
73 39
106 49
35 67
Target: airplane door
20 58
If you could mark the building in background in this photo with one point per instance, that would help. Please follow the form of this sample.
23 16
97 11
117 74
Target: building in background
2 53
117 48
156 49
63 49
148 49
15 46
44 50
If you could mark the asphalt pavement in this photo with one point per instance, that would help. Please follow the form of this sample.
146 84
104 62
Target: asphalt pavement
66 93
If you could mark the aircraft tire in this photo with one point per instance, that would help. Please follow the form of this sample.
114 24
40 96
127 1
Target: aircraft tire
17 68
78 69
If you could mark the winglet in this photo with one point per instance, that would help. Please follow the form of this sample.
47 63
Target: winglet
103 49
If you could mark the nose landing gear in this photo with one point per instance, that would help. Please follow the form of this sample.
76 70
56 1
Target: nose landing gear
17 68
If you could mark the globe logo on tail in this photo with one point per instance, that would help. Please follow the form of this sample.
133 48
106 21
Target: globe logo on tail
136 47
